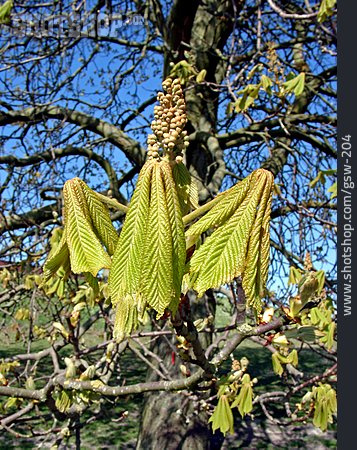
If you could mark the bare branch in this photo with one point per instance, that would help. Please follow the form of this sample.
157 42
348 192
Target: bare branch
131 148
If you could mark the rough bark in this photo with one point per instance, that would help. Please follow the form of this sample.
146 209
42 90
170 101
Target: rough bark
179 420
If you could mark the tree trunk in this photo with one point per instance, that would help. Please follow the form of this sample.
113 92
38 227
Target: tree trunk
179 420
174 421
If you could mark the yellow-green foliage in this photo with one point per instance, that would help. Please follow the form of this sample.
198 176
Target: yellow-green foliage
222 417
87 227
321 317
235 391
240 244
86 251
5 368
244 400
278 360
322 399
5 12
186 188
325 405
149 257
327 9
149 260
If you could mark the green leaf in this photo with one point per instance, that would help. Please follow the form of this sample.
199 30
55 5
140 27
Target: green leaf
326 10
221 257
306 333
93 283
57 287
59 327
22 314
71 369
299 88
244 400
325 405
186 188
86 251
293 358
329 171
183 70
230 108
12 402
277 366
240 246
224 205
158 278
149 260
319 178
64 401
267 83
308 287
200 77
88 374
296 85
333 190
328 338
100 217
250 94
5 12
193 194
126 317
30 383
126 271
256 68
258 255
58 257
320 275
222 417
320 317
294 275
177 231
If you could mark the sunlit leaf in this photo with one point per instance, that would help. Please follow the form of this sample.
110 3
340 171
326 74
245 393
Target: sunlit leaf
100 217
86 251
333 190
158 277
327 9
200 77
295 85
57 258
244 400
186 188
240 246
222 417
5 12
126 272
325 405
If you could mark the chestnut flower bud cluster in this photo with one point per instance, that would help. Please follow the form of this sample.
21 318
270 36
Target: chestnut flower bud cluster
169 121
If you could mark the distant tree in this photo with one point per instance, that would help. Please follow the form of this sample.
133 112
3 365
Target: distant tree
256 98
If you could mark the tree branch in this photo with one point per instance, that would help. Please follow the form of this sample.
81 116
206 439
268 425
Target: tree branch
69 150
243 332
131 148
